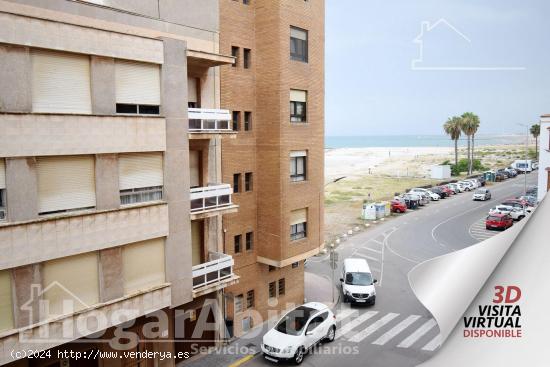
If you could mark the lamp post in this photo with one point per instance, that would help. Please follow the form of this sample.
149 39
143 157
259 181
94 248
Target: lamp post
525 159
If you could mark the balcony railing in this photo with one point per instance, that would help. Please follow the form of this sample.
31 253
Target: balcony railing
215 196
202 120
219 267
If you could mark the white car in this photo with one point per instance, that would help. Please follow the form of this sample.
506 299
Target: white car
468 185
357 282
422 192
299 331
433 196
515 213
481 194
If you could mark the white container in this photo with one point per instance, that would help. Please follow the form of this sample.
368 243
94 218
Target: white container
369 212
441 172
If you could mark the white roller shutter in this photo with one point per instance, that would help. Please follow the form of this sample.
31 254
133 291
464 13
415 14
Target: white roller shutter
2 174
192 95
143 265
60 82
65 183
138 170
298 33
137 83
298 153
298 216
194 164
298 95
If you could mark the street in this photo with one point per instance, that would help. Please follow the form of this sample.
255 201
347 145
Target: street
398 330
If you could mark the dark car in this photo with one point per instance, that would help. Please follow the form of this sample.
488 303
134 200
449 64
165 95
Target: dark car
500 177
499 221
436 190
481 180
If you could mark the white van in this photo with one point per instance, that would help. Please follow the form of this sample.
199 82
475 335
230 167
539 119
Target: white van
523 165
357 282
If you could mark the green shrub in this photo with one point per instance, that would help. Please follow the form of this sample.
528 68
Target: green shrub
463 166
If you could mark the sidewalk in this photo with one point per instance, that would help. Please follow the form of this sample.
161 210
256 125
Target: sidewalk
239 351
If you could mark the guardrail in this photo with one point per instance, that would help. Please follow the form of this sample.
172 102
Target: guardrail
210 197
202 120
218 268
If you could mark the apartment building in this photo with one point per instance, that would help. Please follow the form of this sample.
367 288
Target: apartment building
544 157
112 196
275 91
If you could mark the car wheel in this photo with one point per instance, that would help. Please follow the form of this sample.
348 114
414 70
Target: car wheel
521 217
487 228
331 334
299 356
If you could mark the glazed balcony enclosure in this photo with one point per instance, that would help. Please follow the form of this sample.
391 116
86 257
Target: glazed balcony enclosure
211 200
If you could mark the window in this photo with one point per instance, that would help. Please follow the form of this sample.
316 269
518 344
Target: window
298 224
235 54
250 299
298 44
247 58
2 191
236 182
140 177
272 290
236 120
143 265
281 287
239 303
271 268
60 82
247 324
65 183
248 181
249 241
137 88
298 166
246 2
247 121
295 265
237 243
298 106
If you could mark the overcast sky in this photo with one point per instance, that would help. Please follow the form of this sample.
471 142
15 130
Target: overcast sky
372 89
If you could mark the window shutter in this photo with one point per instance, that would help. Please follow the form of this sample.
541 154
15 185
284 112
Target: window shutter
65 183
298 33
298 95
298 153
60 82
298 216
137 83
138 170
192 95
6 307
2 174
143 265
194 164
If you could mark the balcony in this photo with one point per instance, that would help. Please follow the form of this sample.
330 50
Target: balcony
203 122
211 200
213 275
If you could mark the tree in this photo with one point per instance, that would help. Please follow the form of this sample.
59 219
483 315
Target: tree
470 124
453 128
535 131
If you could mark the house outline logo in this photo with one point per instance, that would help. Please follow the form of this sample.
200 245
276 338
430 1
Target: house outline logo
426 27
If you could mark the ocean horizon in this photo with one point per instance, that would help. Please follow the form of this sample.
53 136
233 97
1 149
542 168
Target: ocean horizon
369 141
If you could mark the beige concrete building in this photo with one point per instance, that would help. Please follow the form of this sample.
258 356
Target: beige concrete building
161 161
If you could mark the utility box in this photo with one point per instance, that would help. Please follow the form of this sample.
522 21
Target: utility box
387 208
369 211
441 172
380 210
489 176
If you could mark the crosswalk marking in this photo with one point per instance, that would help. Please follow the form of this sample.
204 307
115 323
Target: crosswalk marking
396 330
411 339
355 322
433 344
360 336
345 314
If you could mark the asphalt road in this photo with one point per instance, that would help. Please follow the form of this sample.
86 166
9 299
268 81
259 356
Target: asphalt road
398 330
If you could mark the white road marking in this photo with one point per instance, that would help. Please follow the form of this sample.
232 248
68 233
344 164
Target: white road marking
360 336
433 344
396 330
345 314
354 323
373 250
411 339
368 257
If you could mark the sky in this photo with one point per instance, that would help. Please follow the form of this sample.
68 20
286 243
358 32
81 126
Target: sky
491 57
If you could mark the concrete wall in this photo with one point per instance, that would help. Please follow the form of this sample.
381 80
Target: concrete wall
102 75
26 303
21 190
111 284
15 67
203 14
176 171
107 189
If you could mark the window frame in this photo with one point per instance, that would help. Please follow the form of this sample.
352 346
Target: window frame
236 183
295 44
235 51
247 58
250 299
248 181
3 205
297 232
295 117
294 175
272 290
281 285
237 244
249 241
247 123
236 120
239 300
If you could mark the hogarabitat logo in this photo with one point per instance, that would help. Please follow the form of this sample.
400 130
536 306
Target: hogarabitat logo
502 319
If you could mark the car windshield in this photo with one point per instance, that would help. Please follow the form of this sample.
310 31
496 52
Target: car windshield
480 191
495 219
358 279
294 322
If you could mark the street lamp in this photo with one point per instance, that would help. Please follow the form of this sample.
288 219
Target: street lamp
525 159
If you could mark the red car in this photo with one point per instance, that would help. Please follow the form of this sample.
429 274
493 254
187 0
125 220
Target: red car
447 190
398 206
499 221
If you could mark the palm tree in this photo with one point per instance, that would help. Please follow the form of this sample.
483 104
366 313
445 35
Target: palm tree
535 131
470 124
453 128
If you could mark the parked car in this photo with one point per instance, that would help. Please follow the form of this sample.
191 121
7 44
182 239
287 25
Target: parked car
532 200
475 182
468 186
533 191
433 196
415 197
511 171
515 213
518 205
521 202
482 194
453 188
357 282
299 331
448 191
398 206
499 221
410 202
457 187
535 165
500 177
481 180
442 194
504 172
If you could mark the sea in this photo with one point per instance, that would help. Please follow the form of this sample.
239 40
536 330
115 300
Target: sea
368 141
